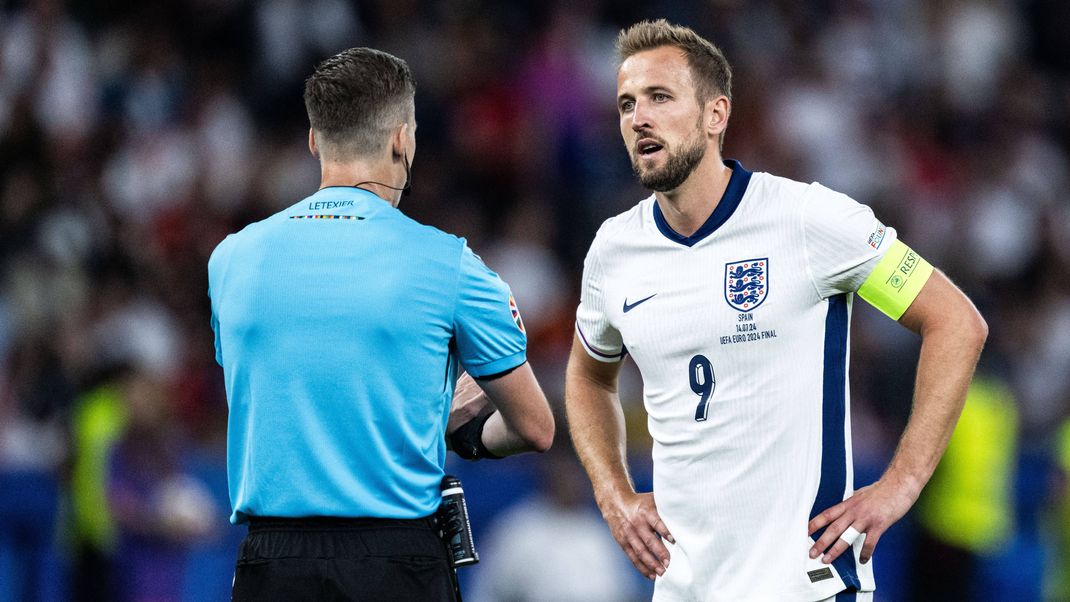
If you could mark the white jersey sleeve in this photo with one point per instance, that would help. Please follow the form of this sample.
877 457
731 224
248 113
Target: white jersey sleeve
843 241
602 341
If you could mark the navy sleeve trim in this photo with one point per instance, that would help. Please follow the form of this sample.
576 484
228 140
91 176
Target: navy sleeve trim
595 351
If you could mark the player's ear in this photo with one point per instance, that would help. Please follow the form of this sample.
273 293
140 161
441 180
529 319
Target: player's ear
718 109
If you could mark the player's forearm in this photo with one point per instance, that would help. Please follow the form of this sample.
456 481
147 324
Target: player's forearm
596 424
949 352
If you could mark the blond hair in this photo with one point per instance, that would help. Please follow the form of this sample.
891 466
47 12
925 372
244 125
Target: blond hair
709 69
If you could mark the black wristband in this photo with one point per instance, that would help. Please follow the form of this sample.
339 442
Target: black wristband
467 440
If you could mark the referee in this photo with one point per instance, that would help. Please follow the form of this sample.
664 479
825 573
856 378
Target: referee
342 327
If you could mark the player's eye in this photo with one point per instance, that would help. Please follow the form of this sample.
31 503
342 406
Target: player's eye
660 97
627 105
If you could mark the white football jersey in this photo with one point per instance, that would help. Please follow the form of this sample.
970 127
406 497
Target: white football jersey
740 332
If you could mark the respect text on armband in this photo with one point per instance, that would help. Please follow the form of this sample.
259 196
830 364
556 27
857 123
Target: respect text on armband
902 272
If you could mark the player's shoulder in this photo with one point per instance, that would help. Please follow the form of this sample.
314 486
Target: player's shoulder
774 188
788 199
787 189
624 225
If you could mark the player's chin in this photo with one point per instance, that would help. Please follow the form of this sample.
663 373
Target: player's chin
646 166
649 159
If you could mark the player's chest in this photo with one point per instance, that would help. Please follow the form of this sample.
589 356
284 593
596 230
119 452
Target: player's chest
686 299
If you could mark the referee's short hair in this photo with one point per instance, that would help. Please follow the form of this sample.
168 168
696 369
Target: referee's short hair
709 69
355 97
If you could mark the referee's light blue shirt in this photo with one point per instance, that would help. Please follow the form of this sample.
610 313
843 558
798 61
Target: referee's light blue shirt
340 324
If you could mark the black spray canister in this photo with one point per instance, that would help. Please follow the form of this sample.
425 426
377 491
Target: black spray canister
454 523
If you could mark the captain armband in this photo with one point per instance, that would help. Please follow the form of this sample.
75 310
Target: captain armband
896 281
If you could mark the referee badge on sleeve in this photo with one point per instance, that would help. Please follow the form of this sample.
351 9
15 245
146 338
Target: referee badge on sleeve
516 314
746 283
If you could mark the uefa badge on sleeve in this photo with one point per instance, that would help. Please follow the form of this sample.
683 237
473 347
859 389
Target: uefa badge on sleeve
516 314
746 283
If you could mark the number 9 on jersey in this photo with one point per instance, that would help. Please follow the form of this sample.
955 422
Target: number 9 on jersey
700 371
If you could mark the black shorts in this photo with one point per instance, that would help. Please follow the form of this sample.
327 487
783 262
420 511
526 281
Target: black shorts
343 559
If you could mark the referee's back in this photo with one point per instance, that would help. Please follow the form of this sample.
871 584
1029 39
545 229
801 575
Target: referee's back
340 324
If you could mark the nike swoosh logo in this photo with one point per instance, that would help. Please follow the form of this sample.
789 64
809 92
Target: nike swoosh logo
628 308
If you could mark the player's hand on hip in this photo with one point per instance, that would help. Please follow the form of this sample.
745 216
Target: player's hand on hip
868 513
469 401
636 525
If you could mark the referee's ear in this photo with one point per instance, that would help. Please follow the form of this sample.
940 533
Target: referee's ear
399 141
312 148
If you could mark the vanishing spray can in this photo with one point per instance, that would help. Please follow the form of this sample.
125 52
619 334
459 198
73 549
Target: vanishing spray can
454 523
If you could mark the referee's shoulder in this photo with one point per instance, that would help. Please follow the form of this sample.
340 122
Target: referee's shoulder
430 239
234 238
427 232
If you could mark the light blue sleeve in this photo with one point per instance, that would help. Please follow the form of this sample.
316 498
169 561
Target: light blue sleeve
489 331
215 262
218 347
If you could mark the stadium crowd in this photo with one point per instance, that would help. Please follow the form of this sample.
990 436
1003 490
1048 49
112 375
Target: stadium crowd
134 136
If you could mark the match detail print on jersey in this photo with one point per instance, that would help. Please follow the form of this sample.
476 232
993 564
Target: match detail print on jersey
896 281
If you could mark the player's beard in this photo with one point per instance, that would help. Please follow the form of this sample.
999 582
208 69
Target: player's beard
677 168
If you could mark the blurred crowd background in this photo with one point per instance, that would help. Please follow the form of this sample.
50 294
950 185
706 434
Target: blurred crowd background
135 135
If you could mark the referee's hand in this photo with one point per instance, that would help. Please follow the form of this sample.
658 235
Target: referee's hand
469 402
634 521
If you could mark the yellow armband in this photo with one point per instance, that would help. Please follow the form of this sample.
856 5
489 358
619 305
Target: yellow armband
896 281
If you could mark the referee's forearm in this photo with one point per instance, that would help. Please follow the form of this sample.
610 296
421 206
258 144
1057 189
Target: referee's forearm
524 421
501 441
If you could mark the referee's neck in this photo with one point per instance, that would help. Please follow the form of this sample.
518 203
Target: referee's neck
373 176
348 173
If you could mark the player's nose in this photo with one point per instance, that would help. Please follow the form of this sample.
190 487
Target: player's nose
640 118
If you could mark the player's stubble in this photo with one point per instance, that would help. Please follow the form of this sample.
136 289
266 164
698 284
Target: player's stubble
677 167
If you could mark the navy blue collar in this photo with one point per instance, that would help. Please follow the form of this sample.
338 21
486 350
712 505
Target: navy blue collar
733 194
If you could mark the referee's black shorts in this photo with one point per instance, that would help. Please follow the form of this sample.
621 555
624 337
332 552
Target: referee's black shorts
343 559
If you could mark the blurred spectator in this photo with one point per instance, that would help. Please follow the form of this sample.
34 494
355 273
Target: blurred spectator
1058 585
158 508
33 444
553 546
134 137
97 422
965 511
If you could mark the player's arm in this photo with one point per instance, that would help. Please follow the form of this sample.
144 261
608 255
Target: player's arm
596 423
953 333
499 416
